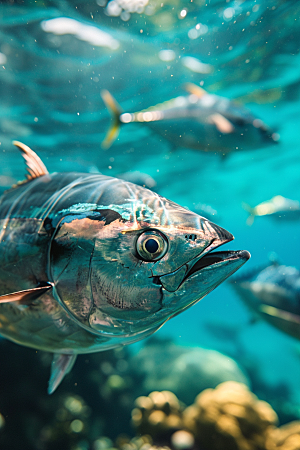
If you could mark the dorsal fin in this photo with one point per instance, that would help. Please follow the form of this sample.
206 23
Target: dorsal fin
195 89
35 166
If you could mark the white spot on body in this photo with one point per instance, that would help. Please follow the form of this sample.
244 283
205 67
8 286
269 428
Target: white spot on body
208 100
180 101
193 98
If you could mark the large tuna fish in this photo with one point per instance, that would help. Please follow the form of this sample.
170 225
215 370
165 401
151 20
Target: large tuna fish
90 262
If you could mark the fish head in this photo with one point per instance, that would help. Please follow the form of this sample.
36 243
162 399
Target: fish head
267 135
129 266
252 132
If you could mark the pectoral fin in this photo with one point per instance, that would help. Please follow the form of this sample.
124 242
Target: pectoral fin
61 366
27 296
195 89
223 124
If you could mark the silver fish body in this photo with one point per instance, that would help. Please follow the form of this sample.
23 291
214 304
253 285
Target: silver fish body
90 262
273 294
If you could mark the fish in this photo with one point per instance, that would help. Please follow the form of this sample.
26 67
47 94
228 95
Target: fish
277 207
272 293
91 262
199 121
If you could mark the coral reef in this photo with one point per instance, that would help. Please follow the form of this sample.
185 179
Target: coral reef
227 417
159 414
185 371
287 437
230 416
91 409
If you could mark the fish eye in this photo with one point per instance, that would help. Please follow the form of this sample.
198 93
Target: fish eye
151 245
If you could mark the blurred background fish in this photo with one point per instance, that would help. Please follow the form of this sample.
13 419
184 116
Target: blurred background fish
200 121
273 294
277 207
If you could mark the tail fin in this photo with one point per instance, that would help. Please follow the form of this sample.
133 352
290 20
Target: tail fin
251 212
115 111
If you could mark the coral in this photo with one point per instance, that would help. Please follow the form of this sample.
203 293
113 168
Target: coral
287 437
230 417
159 414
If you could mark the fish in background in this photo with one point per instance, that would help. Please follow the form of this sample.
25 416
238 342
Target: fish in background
90 262
273 294
200 121
277 207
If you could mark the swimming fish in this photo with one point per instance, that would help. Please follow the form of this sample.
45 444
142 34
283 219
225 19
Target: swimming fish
273 294
200 121
90 262
278 207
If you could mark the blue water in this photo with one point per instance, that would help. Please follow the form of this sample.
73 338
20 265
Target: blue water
50 83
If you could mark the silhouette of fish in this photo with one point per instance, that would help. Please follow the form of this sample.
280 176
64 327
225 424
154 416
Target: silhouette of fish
278 207
273 294
200 121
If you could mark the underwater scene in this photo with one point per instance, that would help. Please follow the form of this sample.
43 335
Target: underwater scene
138 138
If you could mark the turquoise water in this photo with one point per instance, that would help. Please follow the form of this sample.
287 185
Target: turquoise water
51 75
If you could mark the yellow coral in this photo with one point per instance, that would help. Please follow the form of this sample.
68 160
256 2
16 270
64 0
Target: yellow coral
287 437
230 416
158 414
227 417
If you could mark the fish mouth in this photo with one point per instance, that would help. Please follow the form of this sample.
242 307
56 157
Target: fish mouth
202 276
211 260
212 267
